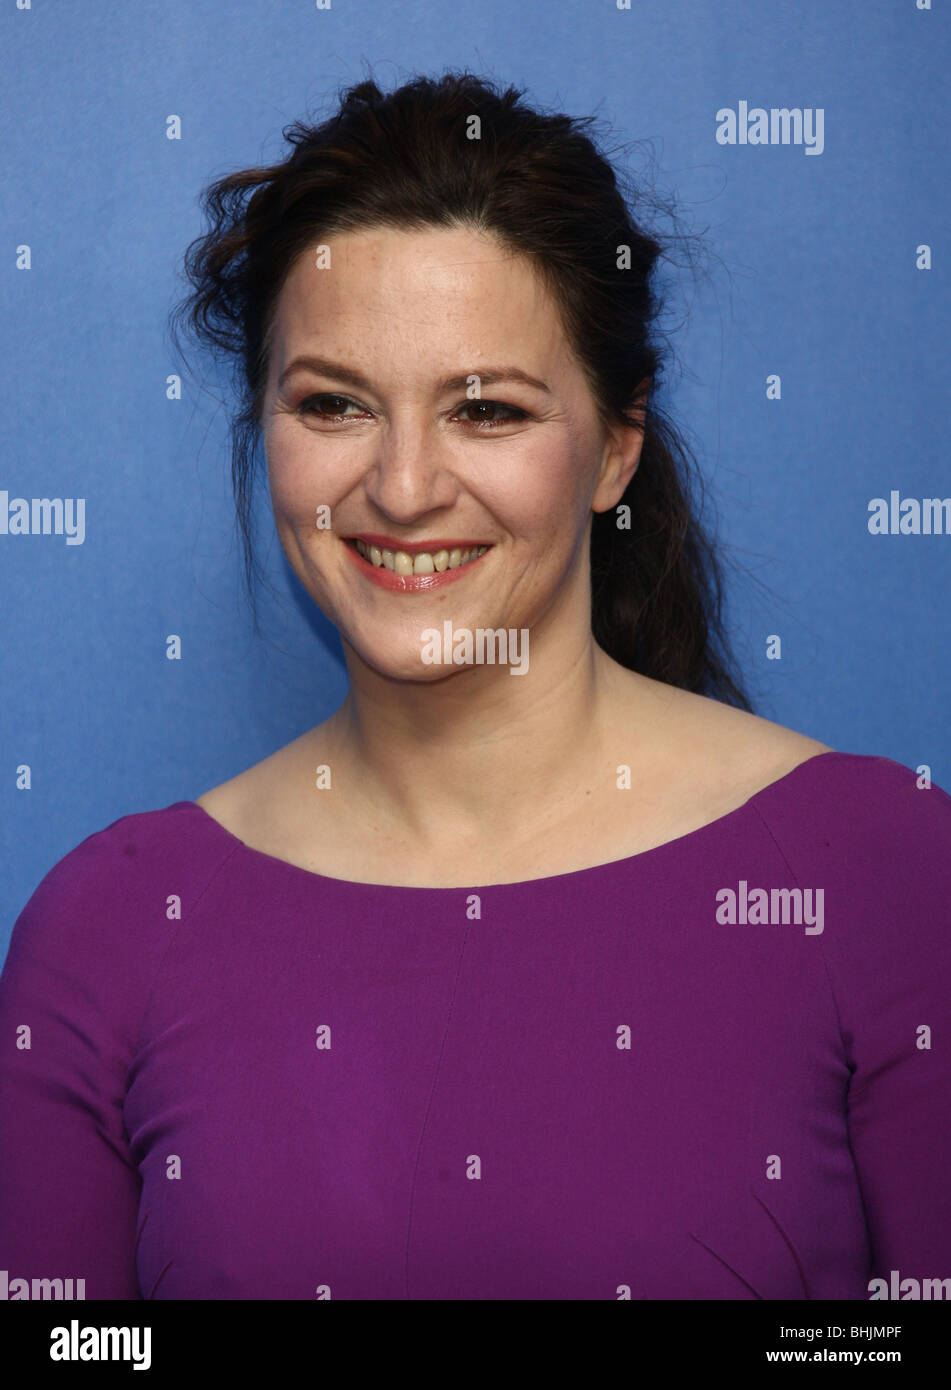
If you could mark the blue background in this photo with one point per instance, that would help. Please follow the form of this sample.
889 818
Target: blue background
812 276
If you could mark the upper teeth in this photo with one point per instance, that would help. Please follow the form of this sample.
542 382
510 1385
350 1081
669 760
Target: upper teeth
423 563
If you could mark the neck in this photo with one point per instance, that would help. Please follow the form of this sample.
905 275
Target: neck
479 753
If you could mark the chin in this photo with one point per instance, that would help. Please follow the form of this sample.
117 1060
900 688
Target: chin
405 664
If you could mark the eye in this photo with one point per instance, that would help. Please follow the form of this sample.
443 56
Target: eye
327 406
331 407
513 415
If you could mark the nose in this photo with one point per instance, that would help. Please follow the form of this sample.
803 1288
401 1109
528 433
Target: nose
410 472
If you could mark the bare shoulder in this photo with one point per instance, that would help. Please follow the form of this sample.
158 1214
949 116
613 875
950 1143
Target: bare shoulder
255 801
731 754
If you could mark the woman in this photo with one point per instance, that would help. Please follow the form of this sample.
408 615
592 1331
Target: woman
543 968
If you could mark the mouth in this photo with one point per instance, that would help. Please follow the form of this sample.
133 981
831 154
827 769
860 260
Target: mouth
414 567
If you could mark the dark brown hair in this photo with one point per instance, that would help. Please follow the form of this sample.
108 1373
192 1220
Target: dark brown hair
539 185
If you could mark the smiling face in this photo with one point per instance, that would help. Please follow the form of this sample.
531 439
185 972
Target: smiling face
441 411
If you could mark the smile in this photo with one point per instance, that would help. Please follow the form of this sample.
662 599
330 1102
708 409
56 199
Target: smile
402 572
421 562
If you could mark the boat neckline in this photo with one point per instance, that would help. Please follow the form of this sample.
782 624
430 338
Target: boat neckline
610 865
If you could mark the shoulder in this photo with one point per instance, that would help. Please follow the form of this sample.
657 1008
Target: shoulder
874 838
133 852
109 899
257 805
717 755
883 814
87 949
890 819
871 808
865 795
734 736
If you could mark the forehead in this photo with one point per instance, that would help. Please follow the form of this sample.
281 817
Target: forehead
433 294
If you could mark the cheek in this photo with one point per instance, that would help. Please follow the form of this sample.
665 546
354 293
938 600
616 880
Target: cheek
548 504
300 481
289 494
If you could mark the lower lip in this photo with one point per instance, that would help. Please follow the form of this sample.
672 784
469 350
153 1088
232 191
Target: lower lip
409 583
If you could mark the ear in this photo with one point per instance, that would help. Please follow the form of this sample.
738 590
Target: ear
622 453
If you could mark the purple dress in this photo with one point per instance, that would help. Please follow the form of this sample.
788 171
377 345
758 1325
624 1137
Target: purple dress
719 1069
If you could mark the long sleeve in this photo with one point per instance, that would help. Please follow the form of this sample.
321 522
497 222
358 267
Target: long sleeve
68 1191
884 844
83 958
897 1009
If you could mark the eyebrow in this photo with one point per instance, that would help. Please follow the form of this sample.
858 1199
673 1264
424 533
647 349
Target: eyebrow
488 376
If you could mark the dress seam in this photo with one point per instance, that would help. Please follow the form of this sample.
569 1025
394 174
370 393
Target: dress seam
429 1103
846 1051
165 954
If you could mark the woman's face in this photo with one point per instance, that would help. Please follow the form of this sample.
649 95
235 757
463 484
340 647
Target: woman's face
441 410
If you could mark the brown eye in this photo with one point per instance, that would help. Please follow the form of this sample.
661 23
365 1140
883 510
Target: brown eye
325 406
513 413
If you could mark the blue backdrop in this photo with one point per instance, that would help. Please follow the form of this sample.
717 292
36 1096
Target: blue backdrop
813 360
